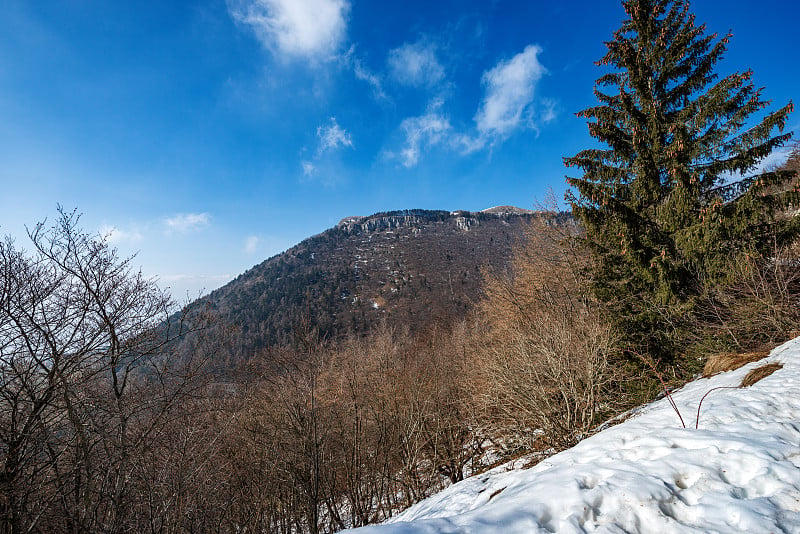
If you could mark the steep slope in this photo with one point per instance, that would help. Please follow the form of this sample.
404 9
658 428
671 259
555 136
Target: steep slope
410 268
739 471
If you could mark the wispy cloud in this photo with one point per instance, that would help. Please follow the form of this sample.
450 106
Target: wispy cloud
251 244
364 74
308 168
187 222
416 64
423 132
548 111
310 29
508 103
115 235
332 137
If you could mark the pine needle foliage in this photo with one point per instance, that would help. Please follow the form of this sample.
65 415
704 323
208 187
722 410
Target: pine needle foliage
674 194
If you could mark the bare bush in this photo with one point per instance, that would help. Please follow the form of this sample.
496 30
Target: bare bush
348 435
760 307
545 371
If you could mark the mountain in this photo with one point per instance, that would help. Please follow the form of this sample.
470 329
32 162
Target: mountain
411 268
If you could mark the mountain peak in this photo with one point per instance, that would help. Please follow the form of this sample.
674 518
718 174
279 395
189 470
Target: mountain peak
508 210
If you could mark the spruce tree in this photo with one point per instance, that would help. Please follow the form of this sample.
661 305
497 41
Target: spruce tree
672 197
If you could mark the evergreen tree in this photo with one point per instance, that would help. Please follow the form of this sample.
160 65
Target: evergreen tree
672 197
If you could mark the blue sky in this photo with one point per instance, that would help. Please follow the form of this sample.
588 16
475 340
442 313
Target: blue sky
209 135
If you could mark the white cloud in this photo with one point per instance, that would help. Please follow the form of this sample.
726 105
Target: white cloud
507 105
362 73
469 143
365 75
251 244
416 65
308 168
332 137
115 235
423 132
186 222
311 29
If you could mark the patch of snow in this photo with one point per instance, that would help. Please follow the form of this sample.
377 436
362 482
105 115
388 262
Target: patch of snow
738 472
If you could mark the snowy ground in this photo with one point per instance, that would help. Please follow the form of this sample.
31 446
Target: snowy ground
739 472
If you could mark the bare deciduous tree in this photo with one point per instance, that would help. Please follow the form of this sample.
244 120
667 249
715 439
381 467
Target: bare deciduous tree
86 379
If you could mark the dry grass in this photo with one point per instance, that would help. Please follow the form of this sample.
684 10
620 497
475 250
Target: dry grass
727 361
760 372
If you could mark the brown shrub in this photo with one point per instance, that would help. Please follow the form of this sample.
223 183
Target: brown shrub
728 361
758 306
760 372
348 434
544 374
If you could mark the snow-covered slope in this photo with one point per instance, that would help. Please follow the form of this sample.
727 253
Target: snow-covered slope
738 472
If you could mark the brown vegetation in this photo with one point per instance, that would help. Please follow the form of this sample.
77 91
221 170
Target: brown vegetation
758 308
728 361
544 372
104 429
348 435
760 372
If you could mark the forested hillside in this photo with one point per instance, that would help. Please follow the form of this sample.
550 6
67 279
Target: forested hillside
413 268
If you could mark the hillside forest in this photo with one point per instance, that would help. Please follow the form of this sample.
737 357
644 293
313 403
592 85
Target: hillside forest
121 411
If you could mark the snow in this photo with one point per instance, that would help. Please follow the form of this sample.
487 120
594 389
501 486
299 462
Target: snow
738 472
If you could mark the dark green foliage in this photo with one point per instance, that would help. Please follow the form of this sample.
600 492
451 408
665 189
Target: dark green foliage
671 198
